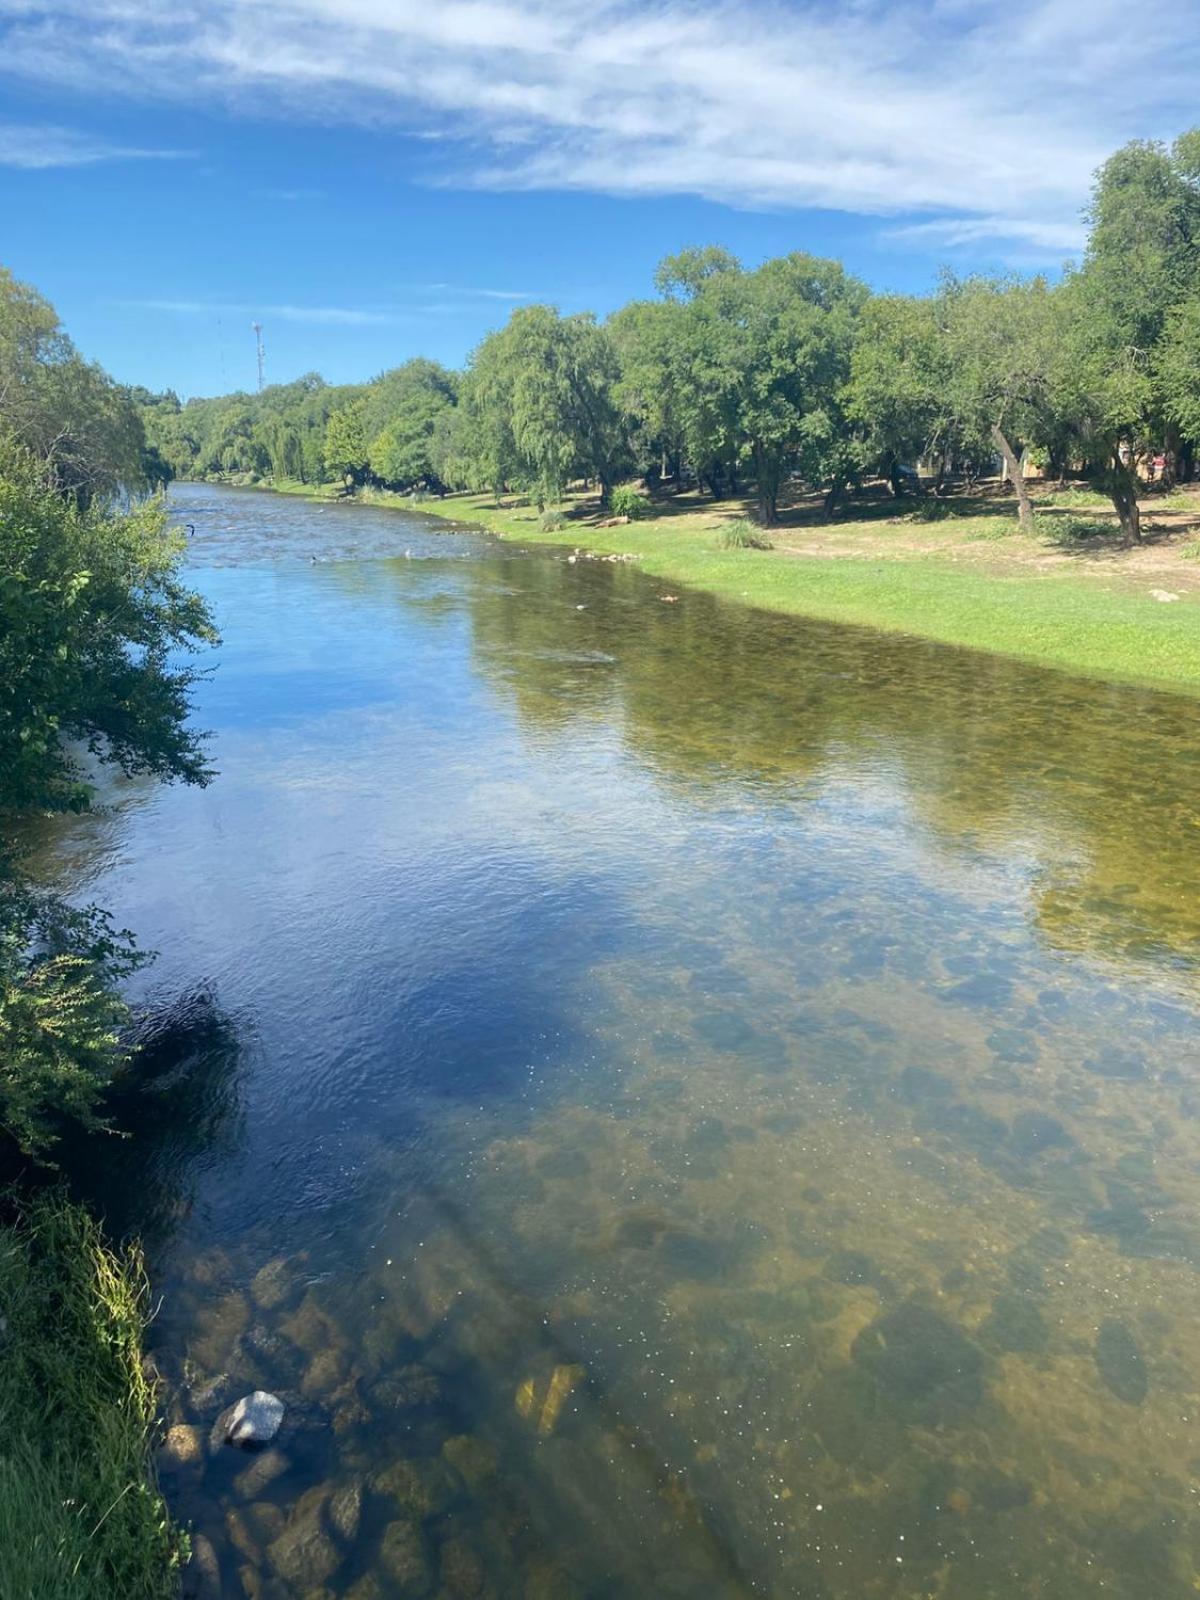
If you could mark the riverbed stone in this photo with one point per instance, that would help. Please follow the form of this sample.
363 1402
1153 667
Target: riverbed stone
202 1576
345 1510
270 1285
462 1570
183 1445
323 1374
404 1557
474 1460
421 1487
409 1388
213 1341
304 1554
921 1360
1120 1363
263 1470
252 1421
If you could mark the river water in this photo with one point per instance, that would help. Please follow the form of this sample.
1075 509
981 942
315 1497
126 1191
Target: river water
681 1102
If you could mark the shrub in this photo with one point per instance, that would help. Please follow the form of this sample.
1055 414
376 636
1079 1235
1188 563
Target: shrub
1191 552
931 509
551 521
1075 530
743 535
626 501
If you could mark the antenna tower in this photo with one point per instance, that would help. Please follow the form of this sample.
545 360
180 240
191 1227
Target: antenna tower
261 353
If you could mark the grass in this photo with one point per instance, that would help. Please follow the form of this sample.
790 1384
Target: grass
80 1515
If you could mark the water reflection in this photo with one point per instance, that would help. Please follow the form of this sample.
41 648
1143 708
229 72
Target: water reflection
715 1111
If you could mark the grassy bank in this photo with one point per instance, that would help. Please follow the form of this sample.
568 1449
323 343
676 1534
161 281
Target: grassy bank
1068 597
80 1516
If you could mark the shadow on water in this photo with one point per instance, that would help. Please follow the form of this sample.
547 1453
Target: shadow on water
710 1107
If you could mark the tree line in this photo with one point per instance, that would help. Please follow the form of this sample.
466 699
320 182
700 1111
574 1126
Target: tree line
792 372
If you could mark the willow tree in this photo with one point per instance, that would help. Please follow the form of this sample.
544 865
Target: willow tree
1126 305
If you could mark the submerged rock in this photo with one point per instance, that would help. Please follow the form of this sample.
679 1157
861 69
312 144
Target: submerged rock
472 1458
270 1285
271 1464
252 1422
404 1557
182 1445
1119 1362
421 1488
304 1553
345 1510
920 1359
202 1576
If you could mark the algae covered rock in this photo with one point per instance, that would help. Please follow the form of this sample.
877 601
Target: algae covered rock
182 1446
423 1487
921 1361
474 1460
404 1558
304 1555
1119 1362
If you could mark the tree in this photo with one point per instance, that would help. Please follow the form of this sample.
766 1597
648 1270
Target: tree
540 401
898 392
1001 339
93 621
401 415
346 443
1124 305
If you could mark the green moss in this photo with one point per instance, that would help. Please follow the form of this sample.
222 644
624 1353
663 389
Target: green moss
80 1515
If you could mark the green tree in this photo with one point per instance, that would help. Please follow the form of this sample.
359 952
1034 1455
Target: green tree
401 415
1001 349
898 393
93 620
63 410
346 443
1124 306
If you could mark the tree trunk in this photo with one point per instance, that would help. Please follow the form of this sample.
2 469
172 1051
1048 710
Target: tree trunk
831 499
1123 491
1016 478
895 483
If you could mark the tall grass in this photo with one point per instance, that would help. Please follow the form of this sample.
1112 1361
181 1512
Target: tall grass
81 1517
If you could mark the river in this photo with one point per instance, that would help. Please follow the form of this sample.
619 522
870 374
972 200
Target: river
680 1101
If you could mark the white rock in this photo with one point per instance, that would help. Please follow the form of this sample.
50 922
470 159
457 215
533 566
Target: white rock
254 1420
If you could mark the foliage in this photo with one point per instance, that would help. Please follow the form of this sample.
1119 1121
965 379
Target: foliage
60 1012
69 415
551 521
626 501
402 413
93 616
1069 531
346 442
80 1513
742 535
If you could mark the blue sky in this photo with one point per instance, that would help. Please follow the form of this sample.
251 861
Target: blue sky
374 179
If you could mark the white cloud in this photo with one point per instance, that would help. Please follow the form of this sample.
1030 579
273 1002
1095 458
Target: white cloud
985 114
342 316
37 147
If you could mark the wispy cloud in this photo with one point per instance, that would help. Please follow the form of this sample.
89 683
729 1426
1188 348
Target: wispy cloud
990 114
37 147
478 294
343 316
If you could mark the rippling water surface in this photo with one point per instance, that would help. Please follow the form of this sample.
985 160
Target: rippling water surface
681 1102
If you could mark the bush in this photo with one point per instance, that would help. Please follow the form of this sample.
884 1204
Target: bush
743 535
627 501
931 509
551 521
1075 530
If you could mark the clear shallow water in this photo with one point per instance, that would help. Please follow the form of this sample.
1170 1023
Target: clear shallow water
682 1102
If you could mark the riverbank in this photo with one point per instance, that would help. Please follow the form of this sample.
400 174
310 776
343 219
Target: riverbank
81 1517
